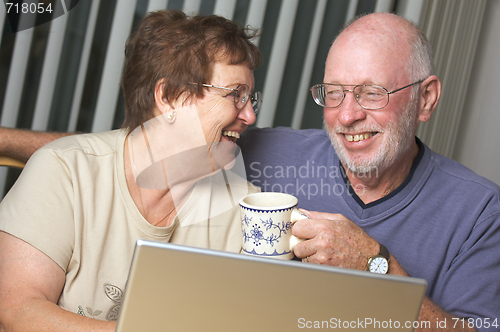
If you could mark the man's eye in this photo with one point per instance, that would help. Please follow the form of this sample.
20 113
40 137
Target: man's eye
335 94
372 94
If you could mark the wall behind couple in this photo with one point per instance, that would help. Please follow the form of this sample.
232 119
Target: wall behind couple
64 75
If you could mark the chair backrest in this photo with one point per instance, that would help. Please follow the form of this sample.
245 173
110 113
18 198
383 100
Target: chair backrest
11 162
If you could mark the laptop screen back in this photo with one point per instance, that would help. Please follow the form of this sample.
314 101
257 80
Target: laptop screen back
176 288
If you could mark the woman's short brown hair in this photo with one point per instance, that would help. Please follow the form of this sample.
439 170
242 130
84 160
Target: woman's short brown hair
171 46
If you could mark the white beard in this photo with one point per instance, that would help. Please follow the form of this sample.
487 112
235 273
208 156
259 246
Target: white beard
399 135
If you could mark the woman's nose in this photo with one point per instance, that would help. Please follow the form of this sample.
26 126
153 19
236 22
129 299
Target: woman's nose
247 114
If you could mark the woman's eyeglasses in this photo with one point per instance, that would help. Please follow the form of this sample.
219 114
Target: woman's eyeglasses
242 95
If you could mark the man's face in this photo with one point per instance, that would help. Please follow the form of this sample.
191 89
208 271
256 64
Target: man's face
365 139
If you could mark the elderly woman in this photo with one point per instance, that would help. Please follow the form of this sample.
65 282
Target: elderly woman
70 223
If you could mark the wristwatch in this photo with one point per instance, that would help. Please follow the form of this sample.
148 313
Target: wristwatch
379 263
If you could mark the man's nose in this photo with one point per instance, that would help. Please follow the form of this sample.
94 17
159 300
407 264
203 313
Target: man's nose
350 110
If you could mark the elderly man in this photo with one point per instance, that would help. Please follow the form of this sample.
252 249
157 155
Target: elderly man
385 191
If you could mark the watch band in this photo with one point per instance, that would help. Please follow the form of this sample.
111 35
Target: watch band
384 252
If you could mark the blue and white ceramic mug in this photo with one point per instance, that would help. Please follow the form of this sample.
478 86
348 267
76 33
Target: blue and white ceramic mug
266 223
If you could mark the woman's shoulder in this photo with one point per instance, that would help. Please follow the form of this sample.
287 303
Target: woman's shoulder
97 144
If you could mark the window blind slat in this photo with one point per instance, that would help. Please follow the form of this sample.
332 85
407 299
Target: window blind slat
191 6
3 17
255 16
17 72
110 83
154 5
82 70
312 47
49 71
277 63
384 6
225 8
411 9
351 10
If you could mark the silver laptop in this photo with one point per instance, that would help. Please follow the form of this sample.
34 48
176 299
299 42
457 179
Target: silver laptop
177 288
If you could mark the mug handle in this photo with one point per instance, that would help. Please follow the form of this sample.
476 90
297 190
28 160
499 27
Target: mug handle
296 216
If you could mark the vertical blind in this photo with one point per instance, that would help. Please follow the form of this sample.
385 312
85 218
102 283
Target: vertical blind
64 75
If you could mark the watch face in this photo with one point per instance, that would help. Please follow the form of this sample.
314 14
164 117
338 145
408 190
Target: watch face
379 264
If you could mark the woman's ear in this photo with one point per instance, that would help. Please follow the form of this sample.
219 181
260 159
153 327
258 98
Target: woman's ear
161 101
429 95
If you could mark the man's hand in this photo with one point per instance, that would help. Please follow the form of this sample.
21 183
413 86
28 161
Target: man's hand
333 240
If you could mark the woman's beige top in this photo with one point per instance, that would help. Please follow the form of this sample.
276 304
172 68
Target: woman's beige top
72 203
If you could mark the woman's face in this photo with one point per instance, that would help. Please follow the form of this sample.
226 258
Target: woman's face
221 121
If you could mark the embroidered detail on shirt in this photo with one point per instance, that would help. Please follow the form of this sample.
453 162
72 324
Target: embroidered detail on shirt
115 294
93 313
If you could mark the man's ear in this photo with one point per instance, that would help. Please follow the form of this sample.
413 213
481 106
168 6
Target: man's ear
161 101
429 97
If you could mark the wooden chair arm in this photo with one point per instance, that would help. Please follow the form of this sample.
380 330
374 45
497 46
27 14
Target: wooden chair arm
11 162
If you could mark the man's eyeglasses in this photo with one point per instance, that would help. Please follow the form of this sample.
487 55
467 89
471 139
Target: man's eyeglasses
370 97
242 95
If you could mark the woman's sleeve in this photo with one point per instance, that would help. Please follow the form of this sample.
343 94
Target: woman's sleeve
38 209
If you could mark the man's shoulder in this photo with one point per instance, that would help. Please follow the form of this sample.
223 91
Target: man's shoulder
282 137
452 171
282 142
286 132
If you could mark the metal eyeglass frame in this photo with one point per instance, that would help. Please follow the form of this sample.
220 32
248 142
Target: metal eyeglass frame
316 100
255 97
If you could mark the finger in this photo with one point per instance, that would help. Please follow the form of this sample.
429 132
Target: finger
310 259
304 229
306 259
304 249
323 215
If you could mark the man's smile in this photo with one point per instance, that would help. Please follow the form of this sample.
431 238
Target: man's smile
358 137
